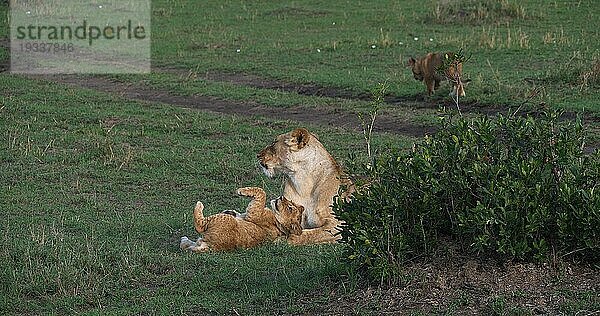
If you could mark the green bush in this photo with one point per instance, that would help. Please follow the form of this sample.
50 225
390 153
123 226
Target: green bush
518 187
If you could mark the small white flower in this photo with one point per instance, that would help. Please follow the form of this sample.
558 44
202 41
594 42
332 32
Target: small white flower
400 43
318 50
100 6
333 23
373 46
431 39
416 38
238 50
28 12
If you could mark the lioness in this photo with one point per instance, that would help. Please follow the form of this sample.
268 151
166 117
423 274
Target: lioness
426 69
312 179
226 232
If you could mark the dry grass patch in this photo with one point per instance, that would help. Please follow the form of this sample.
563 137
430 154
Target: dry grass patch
476 12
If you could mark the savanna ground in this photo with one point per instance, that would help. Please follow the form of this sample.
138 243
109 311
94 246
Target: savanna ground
100 173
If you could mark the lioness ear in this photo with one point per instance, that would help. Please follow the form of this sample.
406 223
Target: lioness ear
300 137
411 62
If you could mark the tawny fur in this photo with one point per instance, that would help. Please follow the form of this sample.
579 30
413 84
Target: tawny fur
259 225
312 179
425 69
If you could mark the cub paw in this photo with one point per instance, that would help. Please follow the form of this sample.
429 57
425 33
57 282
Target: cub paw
186 243
248 191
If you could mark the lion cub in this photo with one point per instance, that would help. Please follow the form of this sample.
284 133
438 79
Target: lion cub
426 69
224 231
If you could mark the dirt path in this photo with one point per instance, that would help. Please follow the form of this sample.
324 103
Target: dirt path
308 89
324 117
327 117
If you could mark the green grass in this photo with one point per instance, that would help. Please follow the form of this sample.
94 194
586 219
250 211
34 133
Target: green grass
516 48
97 191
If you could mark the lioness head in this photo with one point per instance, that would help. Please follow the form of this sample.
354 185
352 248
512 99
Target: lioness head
288 215
279 156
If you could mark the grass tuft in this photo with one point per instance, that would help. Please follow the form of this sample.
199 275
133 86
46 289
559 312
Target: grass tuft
591 77
493 38
476 12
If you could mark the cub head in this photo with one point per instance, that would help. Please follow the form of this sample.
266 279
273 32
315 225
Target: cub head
288 215
417 70
279 156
